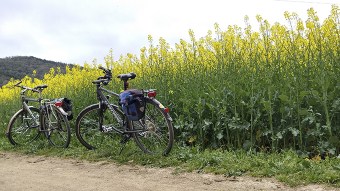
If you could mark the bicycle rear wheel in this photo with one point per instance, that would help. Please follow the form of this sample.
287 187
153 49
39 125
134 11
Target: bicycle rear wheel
94 126
56 127
157 136
23 128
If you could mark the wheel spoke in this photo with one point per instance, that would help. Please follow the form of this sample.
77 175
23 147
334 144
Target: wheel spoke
91 134
157 137
22 128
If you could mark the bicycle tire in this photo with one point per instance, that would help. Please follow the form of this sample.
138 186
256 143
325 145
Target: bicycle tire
21 129
56 127
90 133
158 136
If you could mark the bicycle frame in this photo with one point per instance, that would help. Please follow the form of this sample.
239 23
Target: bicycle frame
103 101
42 102
26 107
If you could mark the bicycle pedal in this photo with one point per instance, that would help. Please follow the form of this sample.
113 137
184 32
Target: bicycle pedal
107 129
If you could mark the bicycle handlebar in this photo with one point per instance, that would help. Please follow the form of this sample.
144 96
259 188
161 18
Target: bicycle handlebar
17 84
108 76
101 80
36 89
107 72
104 69
104 79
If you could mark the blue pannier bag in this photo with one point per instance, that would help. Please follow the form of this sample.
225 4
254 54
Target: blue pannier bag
133 104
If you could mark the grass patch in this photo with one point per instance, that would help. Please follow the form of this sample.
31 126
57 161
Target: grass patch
286 166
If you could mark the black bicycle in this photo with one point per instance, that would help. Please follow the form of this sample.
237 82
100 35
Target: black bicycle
29 122
148 122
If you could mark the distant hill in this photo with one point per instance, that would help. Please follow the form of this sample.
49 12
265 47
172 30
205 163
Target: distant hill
18 67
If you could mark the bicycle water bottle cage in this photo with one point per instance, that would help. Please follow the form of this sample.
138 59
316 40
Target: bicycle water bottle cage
133 104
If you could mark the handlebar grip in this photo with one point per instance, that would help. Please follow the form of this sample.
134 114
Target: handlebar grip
105 81
17 84
106 71
133 75
35 90
41 86
102 68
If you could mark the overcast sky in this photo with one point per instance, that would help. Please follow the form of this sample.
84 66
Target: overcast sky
78 31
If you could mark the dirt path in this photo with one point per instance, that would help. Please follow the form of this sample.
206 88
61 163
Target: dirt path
21 172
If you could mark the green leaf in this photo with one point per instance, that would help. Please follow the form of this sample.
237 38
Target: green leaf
316 94
294 131
303 94
266 105
306 164
336 167
207 122
303 112
284 98
219 136
192 139
334 140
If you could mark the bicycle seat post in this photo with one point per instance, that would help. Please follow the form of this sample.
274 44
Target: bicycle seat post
98 90
126 84
40 95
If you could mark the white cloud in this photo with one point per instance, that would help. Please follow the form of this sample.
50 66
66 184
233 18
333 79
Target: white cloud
81 30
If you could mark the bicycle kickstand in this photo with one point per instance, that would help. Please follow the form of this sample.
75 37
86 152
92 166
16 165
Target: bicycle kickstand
125 139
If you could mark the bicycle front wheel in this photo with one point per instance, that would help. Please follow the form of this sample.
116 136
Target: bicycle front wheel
56 127
95 126
156 134
23 128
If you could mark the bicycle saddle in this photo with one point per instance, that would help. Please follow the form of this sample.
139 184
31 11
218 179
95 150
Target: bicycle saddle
40 87
126 77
